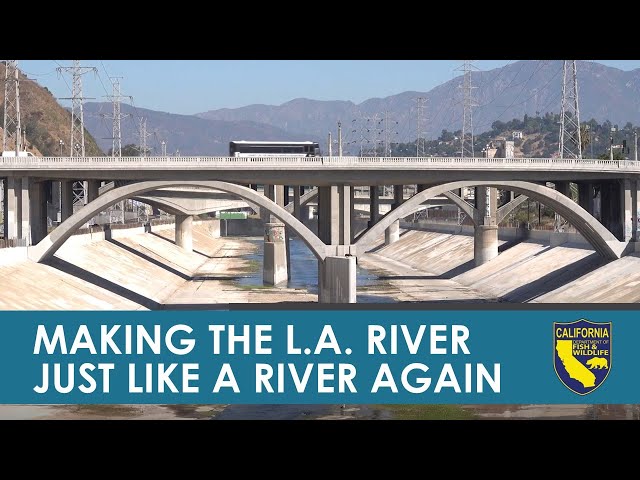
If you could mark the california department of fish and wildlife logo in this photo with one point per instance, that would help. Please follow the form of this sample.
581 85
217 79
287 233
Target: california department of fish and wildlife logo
582 354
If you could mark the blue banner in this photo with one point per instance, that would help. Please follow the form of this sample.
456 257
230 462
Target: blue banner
315 356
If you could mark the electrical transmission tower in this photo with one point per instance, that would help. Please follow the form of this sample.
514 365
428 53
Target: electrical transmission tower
466 140
11 126
421 142
143 135
77 101
77 122
116 98
367 135
116 149
570 145
390 131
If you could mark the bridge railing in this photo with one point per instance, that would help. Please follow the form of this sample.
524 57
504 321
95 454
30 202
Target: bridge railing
8 163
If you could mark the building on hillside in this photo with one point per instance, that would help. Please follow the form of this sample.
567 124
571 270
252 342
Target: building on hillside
516 135
499 148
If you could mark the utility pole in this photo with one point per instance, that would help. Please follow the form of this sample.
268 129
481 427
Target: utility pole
77 121
611 144
635 143
11 126
570 145
340 141
421 149
466 142
330 146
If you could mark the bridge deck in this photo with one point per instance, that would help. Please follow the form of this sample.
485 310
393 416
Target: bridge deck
313 163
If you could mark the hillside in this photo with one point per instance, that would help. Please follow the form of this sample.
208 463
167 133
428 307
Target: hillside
45 121
188 134
522 87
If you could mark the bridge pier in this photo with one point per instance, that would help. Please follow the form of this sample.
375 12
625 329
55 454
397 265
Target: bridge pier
612 207
334 214
374 205
563 187
485 235
12 203
586 196
184 232
37 211
296 203
337 280
66 191
392 233
92 189
275 261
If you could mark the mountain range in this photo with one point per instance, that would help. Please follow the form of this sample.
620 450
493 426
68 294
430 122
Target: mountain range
528 87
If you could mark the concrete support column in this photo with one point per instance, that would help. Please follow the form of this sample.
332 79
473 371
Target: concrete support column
328 228
274 269
337 280
612 207
352 213
627 199
296 203
92 187
398 196
345 214
25 211
184 232
564 188
485 243
374 205
585 196
392 233
38 211
55 199
481 203
12 203
334 214
485 238
66 190
634 210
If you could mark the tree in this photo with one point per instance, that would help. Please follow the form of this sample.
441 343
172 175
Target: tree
585 137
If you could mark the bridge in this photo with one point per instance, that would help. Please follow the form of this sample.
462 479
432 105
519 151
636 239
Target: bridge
336 245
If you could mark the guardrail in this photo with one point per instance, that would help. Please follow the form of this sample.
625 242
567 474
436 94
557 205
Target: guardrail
8 163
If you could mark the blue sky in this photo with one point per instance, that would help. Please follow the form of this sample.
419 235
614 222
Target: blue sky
193 86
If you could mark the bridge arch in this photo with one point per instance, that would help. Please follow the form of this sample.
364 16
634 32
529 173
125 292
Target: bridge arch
467 208
602 240
51 243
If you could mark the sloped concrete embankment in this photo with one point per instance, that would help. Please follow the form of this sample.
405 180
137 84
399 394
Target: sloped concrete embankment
132 270
530 271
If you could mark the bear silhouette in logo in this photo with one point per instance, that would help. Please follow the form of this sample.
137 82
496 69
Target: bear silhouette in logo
598 363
